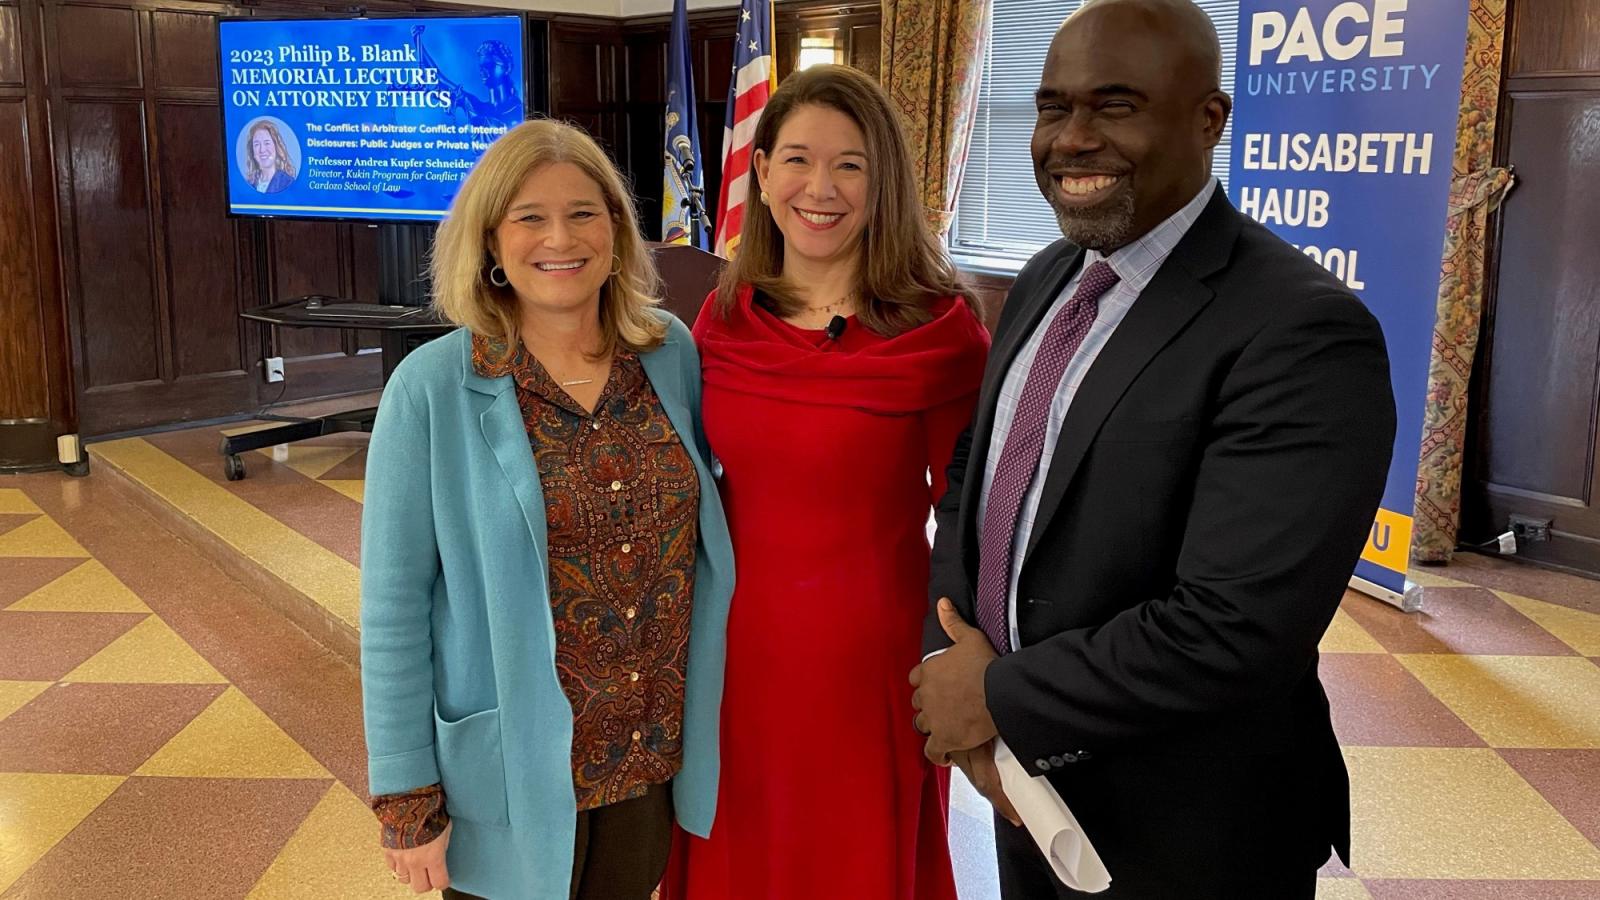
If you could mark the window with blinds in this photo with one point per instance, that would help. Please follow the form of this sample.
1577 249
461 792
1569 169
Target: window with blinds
1000 218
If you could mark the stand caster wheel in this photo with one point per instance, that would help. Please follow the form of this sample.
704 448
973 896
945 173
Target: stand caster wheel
233 467
78 469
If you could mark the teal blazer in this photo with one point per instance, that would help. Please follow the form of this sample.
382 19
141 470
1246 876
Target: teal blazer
458 668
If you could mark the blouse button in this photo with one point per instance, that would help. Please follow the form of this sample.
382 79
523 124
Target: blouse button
616 485
595 425
627 548
633 676
633 611
637 735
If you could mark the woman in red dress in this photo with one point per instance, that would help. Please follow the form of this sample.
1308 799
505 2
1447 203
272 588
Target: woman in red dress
841 357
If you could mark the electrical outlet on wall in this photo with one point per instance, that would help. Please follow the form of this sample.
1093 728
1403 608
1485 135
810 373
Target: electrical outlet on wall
1530 529
273 369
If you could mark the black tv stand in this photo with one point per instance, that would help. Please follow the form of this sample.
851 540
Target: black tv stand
402 318
687 275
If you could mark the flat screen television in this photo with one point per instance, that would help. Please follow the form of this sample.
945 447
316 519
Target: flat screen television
364 119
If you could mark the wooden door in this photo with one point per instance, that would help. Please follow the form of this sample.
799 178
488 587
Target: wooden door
1538 383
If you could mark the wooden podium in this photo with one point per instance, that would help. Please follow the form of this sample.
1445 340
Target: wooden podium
687 275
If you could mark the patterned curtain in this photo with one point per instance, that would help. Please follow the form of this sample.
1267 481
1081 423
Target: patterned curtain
932 60
1476 190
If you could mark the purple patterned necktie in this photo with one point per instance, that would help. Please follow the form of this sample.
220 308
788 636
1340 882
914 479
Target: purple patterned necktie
1019 459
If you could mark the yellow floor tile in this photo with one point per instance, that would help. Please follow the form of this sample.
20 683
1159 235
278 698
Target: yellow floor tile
1578 629
1548 702
1345 636
149 653
37 811
310 460
14 695
13 500
1341 889
89 588
333 854
1432 578
1456 813
41 537
233 738
319 573
355 490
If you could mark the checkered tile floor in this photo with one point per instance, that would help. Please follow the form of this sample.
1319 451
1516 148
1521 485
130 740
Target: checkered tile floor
131 766
162 735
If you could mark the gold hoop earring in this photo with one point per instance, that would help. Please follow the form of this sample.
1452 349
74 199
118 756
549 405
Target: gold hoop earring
497 276
765 199
616 266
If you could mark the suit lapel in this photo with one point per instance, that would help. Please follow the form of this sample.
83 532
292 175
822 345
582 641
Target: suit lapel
1038 301
1164 308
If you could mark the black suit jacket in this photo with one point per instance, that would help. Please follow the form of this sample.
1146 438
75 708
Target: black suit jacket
1213 485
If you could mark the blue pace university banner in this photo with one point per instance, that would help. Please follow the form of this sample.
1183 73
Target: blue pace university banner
1343 132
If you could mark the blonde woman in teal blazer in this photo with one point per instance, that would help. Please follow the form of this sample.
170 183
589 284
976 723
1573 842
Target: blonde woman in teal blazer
458 644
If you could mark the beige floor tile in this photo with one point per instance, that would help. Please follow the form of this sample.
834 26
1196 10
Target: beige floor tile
149 653
1578 629
233 738
89 588
1341 889
310 460
16 694
13 500
1457 813
334 854
37 811
355 489
1548 702
305 565
1432 578
41 537
1344 635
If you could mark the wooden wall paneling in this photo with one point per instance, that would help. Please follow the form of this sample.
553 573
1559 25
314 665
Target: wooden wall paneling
202 269
866 49
111 264
103 48
166 367
644 72
852 30
10 46
713 43
584 62
1554 36
991 289
185 50
23 388
786 53
305 258
35 361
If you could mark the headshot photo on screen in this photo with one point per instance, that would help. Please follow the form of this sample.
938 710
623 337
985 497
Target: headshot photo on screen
269 155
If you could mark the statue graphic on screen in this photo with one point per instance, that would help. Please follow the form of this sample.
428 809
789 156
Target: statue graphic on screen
499 105
268 166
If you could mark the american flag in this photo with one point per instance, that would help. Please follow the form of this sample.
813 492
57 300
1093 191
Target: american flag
754 79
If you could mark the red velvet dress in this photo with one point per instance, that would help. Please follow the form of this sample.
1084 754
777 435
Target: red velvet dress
826 448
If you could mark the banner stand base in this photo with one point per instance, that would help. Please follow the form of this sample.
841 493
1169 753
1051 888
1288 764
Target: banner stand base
1410 601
